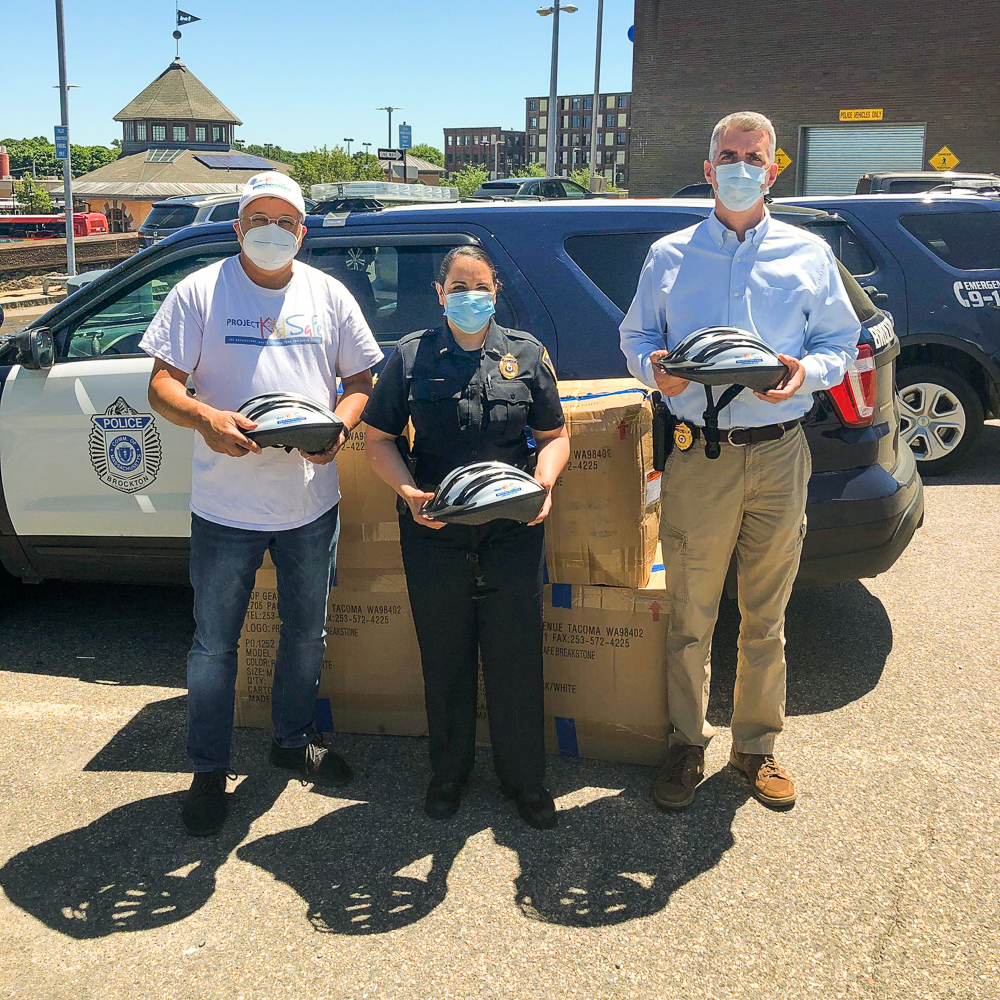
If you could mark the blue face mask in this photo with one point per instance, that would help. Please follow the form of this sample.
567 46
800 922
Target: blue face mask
740 185
469 311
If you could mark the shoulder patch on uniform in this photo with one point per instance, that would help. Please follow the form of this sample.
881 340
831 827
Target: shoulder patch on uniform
547 361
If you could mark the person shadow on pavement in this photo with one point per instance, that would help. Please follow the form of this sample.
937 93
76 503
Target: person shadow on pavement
134 868
619 858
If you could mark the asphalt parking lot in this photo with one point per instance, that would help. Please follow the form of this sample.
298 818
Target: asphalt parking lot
882 881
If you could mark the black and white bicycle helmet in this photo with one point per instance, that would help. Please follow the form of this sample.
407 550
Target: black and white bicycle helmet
289 420
486 491
725 355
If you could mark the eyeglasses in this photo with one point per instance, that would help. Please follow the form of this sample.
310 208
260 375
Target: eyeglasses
290 223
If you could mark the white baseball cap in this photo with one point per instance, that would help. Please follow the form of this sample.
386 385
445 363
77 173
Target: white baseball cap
272 185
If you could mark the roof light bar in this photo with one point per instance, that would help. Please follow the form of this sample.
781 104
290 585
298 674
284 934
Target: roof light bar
384 191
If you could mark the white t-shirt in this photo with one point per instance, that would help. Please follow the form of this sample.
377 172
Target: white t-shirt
237 340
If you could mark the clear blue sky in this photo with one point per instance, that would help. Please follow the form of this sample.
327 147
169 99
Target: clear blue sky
301 73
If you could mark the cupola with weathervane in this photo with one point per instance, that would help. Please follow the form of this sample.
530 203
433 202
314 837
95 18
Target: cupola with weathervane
176 111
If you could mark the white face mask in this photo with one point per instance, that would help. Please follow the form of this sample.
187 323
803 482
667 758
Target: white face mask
270 247
740 185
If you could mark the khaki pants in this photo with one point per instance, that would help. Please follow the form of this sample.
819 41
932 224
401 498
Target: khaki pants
751 499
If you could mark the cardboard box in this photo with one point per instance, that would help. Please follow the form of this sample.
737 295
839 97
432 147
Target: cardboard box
605 506
368 553
371 680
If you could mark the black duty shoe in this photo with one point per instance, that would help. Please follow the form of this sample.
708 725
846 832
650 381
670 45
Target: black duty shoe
206 804
535 807
443 798
314 762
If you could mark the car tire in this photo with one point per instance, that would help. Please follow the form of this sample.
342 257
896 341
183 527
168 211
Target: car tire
940 417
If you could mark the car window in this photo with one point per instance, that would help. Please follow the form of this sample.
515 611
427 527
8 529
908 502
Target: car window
912 185
613 261
115 329
225 212
846 246
573 190
170 217
969 241
550 189
531 188
394 285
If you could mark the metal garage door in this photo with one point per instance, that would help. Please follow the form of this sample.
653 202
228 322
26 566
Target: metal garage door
836 156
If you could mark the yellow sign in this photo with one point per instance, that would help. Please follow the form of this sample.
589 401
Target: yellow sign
860 114
782 159
944 159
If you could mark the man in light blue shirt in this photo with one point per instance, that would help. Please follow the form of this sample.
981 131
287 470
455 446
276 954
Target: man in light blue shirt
744 269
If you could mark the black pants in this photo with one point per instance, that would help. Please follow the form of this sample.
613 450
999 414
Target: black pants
477 592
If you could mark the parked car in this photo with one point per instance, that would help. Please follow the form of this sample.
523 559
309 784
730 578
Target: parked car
568 272
532 187
172 214
934 263
700 190
916 181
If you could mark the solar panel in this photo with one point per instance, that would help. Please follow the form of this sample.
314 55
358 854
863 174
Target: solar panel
232 161
163 155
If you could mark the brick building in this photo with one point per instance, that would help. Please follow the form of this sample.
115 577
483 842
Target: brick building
573 125
853 87
497 150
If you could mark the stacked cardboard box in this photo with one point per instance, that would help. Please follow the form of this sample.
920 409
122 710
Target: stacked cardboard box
603 645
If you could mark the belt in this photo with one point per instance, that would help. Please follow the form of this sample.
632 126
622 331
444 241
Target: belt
742 436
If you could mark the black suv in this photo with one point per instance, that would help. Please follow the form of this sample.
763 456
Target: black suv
568 272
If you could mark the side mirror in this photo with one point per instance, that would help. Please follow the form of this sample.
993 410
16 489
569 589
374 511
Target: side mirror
879 298
35 349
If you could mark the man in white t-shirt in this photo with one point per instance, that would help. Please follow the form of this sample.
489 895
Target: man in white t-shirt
255 323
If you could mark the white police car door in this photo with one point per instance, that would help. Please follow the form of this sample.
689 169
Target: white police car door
81 452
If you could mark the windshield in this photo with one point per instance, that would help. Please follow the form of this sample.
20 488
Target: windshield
170 217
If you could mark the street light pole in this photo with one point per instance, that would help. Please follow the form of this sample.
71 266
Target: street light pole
390 109
554 10
597 94
64 109
348 141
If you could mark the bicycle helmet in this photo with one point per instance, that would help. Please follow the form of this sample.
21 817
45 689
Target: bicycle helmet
725 355
486 491
289 420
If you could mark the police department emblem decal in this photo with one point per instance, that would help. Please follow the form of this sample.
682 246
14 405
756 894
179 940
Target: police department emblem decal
125 447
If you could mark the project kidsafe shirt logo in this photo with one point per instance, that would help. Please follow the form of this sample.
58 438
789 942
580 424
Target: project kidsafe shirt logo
272 331
125 447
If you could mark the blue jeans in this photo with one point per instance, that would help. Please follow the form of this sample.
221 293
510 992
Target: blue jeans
224 564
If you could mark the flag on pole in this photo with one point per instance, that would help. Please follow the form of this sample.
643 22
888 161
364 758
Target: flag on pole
184 18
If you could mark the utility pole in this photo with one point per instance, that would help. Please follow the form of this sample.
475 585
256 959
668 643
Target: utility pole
597 94
552 140
64 109
390 109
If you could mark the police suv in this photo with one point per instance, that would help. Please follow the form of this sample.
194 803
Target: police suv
96 486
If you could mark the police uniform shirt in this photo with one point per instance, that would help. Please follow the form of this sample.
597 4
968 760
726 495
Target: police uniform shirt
466 406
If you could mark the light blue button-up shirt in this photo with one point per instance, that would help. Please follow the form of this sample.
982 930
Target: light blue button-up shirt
781 283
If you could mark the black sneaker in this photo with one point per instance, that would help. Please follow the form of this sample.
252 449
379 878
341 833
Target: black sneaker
443 798
206 804
314 762
535 807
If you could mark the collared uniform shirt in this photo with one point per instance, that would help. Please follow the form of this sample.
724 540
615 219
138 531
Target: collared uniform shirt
466 406
780 283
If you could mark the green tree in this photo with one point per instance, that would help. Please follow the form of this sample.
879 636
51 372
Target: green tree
32 198
83 159
270 151
530 170
367 167
581 176
33 156
321 166
429 153
468 180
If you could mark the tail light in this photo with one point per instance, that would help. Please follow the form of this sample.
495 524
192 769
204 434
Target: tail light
854 399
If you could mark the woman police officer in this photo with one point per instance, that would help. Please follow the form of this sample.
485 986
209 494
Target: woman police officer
471 389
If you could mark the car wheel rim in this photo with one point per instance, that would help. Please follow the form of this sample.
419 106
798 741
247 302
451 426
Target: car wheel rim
932 420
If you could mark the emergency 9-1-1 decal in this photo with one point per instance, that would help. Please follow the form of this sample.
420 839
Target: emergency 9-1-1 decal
125 447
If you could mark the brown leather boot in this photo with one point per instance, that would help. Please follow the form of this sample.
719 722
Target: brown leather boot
769 781
674 785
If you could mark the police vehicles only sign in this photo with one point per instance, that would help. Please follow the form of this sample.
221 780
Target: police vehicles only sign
125 447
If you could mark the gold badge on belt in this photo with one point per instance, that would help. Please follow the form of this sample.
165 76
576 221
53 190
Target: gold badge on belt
683 438
508 366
